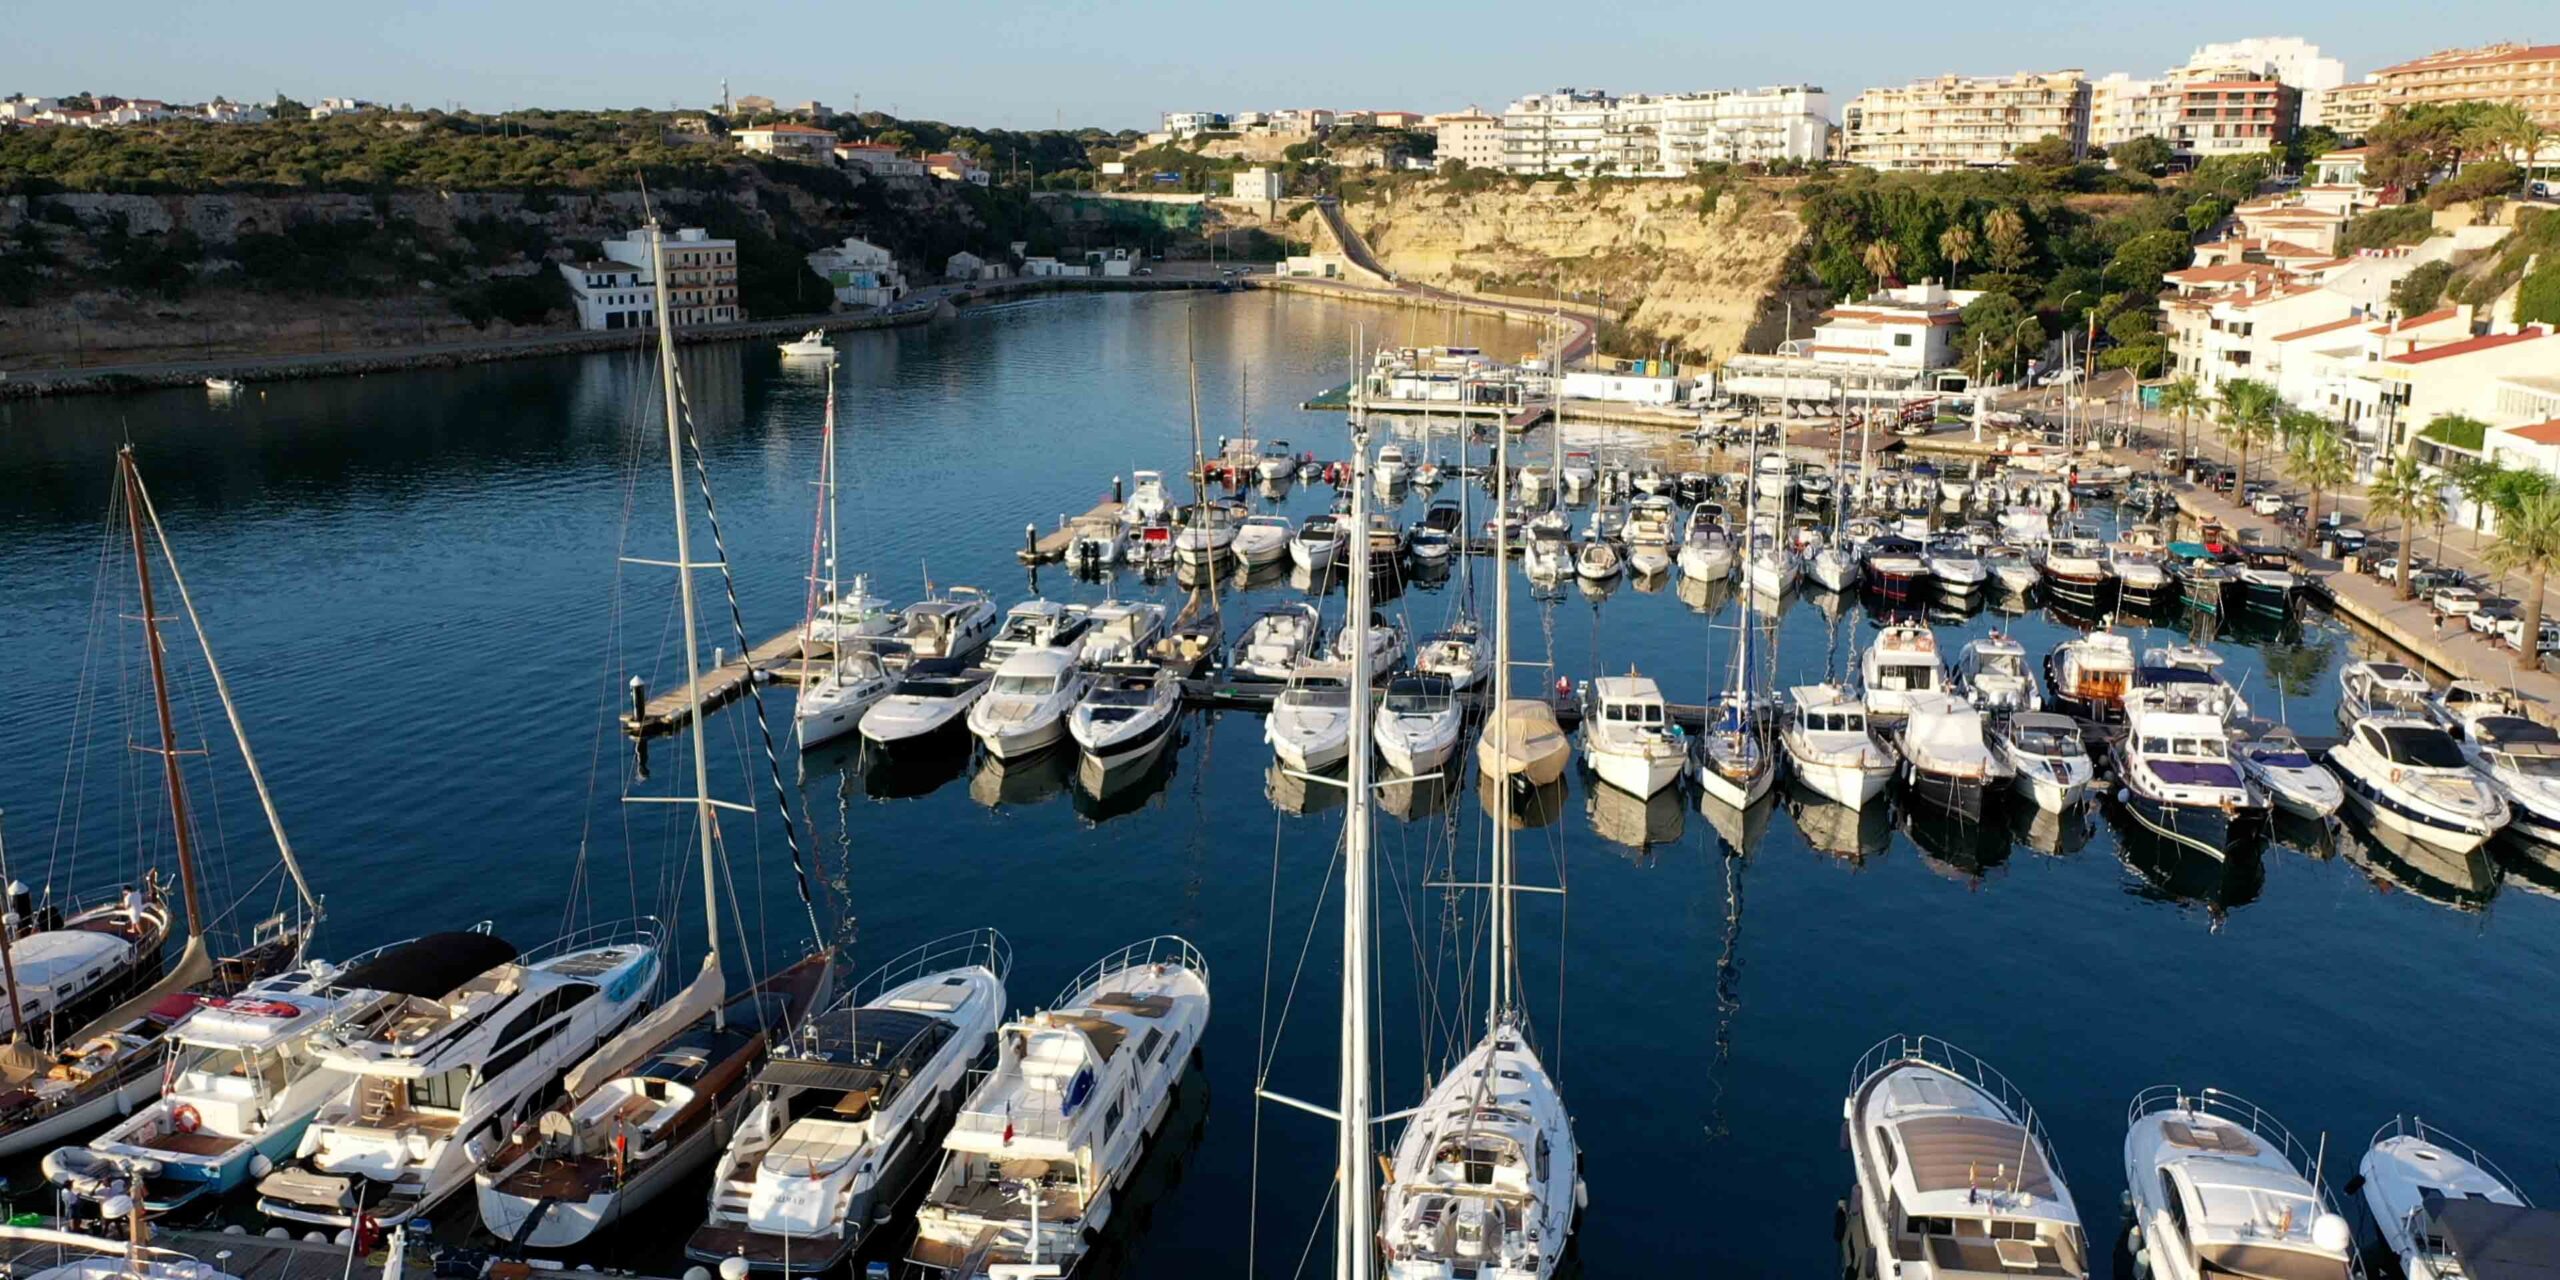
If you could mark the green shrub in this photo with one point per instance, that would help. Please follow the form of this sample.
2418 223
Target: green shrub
2383 228
2418 291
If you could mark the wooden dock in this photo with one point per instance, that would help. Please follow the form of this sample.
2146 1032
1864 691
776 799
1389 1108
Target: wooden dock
1051 547
249 1257
777 659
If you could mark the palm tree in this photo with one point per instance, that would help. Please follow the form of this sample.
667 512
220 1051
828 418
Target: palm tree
2183 400
2007 231
2479 479
2248 411
2317 456
1956 245
2507 128
2528 539
2405 493
1883 259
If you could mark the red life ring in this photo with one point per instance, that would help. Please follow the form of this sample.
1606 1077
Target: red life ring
261 1008
185 1119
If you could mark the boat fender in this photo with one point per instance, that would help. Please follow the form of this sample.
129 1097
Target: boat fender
2331 1232
260 1166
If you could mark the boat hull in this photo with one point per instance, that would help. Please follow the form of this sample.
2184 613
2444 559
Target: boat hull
1959 795
1013 742
1637 775
2382 810
2208 829
1846 784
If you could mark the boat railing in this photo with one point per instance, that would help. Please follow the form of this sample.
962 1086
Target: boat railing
2224 1105
1906 1048
979 948
1163 949
648 931
2415 1127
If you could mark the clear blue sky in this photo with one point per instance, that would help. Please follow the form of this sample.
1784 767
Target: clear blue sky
1117 63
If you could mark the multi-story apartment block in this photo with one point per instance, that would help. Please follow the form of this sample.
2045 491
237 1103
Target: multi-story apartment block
1561 132
2527 75
1966 122
618 291
1470 136
2232 117
2352 109
1664 135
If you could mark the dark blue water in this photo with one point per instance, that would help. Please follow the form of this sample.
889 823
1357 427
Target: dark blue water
413 584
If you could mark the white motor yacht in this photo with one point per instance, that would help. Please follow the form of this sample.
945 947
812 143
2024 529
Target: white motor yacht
1831 747
2140 575
2460 703
1309 727
1417 728
1262 540
832 703
1548 557
2012 568
1596 560
1025 707
1948 761
1899 668
1281 638
1649 536
1207 532
1627 735
2088 676
1459 655
649 1110
437 1080
246 1076
1121 631
1486 1178
1390 469
59 1253
1386 644
1706 553
1772 476
1577 476
1317 543
930 696
2367 689
854 617
2179 663
1954 1176
2177 774
1276 463
1991 672
2221 1189
1148 501
2414 1176
844 1116
2408 776
1955 567
1040 624
957 623
1034 1163
1128 711
2277 761
2075 569
2049 764
808 346
2521 760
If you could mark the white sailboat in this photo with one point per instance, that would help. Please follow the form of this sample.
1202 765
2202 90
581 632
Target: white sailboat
833 699
1486 1177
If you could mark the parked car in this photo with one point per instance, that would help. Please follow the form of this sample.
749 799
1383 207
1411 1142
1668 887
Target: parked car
2268 503
2456 601
2491 615
2512 632
2062 377
2221 479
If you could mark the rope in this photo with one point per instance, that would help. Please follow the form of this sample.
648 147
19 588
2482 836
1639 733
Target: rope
755 689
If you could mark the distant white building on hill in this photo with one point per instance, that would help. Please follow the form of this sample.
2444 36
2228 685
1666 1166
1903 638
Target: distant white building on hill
617 291
861 273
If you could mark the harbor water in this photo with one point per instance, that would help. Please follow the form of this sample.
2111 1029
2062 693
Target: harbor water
421 589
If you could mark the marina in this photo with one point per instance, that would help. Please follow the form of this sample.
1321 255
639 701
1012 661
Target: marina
1757 952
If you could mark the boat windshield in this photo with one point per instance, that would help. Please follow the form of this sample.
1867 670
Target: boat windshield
2530 766
2043 740
1907 678
1415 701
1025 686
2002 664
2281 756
934 686
2423 746
1317 696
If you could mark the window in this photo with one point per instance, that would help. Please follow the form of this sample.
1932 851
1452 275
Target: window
443 1092
1902 339
1111 1119
2174 1205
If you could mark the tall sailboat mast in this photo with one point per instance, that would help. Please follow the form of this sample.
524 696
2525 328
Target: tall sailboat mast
705 817
1498 984
1355 1228
170 772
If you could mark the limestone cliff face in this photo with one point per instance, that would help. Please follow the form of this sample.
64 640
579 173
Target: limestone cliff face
1701 279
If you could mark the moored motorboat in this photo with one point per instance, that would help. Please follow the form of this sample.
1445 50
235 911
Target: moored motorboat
1947 761
1706 552
1991 672
2176 772
1121 632
1039 624
2277 761
1532 750
2521 760
956 623
1459 655
2408 776
1900 667
2220 1188
1954 1176
1317 543
1831 748
2049 764
1627 735
1417 726
1280 638
2088 676
808 346
1024 709
1126 713
2367 689
931 695
1309 727
2411 1177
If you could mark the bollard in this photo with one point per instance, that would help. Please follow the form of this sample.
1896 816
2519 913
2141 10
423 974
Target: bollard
1030 538
1115 490
639 698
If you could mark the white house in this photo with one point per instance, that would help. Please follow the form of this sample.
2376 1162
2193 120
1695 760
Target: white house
1908 328
789 140
610 295
878 158
861 273
1260 185
615 292
1043 266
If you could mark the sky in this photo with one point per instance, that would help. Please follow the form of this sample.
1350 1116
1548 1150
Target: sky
1120 63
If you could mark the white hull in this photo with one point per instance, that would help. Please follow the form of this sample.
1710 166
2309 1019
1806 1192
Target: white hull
820 720
2047 794
1737 794
1713 566
1845 784
1012 742
1637 775
2428 833
2018 578
1648 561
1311 556
1835 571
1415 753
1772 579
63 1126
1313 756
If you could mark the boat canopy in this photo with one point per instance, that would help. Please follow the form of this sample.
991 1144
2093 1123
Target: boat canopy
430 966
2498 1241
2516 736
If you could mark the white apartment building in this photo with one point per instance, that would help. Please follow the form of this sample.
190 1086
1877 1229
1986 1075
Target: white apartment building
1566 131
1470 136
1965 122
1663 135
1258 184
861 273
616 291
2290 60
1908 328
788 140
2122 109
1183 124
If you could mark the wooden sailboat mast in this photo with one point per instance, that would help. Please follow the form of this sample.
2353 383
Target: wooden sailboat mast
172 777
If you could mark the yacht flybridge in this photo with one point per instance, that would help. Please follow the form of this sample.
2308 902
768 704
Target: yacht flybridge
1033 1165
843 1118
440 1080
2219 1188
1954 1176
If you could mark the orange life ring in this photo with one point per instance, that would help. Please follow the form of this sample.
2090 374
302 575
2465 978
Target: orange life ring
185 1119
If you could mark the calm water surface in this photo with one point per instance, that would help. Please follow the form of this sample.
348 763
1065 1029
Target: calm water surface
413 582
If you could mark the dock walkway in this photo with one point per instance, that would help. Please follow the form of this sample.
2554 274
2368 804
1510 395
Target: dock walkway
249 1257
777 659
1051 547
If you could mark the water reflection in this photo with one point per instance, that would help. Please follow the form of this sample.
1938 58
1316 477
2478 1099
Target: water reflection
1828 826
2462 881
1525 808
1740 829
1959 850
2053 834
1413 799
2173 871
1299 795
918 767
1636 823
1030 780
2529 864
1102 794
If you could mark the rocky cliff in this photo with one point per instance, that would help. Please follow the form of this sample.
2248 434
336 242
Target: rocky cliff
1705 277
